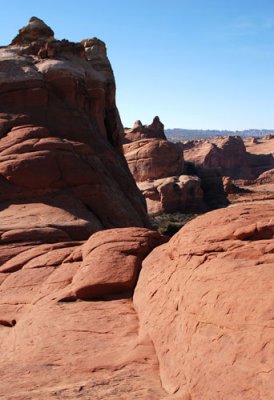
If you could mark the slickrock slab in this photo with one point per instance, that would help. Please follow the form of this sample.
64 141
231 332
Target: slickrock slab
76 349
206 301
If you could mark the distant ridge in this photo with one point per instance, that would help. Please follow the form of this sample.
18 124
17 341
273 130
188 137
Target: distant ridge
178 134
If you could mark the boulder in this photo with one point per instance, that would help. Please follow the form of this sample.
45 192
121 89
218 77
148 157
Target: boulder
181 193
112 261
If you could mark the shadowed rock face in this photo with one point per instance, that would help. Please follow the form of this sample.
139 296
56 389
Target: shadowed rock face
62 172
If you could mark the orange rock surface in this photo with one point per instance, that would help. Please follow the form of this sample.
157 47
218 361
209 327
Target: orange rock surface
206 301
54 347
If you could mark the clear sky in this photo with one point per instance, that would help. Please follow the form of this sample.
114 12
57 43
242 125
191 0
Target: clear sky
206 64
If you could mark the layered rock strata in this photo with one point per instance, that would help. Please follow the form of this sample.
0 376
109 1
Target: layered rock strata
158 168
62 172
230 156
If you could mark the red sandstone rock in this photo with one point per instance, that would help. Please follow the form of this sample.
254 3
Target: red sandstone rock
35 30
206 301
158 166
153 159
112 262
60 141
175 193
259 146
266 177
52 348
229 155
139 131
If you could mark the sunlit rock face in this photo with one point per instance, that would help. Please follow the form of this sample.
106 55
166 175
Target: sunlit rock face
67 323
206 301
139 131
230 155
158 167
60 146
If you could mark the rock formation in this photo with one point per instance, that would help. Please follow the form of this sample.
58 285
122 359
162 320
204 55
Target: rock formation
62 172
153 159
206 301
158 167
229 155
139 131
55 347
67 324
200 323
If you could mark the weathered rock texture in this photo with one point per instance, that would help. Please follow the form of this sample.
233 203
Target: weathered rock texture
62 172
158 167
229 155
150 159
266 177
67 325
139 131
174 193
54 347
206 301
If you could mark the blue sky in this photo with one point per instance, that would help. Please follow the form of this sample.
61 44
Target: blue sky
196 63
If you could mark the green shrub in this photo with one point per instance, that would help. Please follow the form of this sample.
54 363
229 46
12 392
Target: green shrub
169 224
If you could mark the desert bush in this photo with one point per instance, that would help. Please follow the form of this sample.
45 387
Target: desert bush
169 224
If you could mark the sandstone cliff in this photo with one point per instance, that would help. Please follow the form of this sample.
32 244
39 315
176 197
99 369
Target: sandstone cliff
201 319
62 172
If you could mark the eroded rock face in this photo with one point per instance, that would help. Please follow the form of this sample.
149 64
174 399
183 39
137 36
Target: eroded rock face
206 301
158 167
67 324
35 30
266 177
139 131
172 194
53 346
153 159
229 155
112 262
60 141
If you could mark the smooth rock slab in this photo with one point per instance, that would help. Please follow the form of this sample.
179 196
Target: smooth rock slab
206 301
